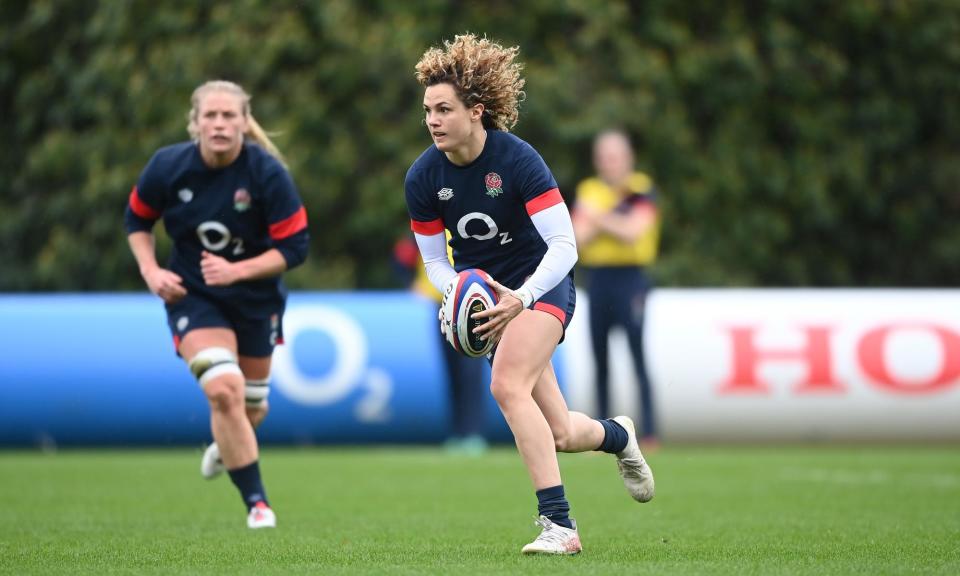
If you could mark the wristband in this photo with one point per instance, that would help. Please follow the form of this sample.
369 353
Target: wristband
525 296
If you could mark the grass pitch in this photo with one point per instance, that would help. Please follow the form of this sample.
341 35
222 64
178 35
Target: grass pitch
718 510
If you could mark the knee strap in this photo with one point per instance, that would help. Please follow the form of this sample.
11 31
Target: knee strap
211 363
256 392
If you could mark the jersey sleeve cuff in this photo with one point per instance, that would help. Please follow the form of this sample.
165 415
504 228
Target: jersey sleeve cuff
525 295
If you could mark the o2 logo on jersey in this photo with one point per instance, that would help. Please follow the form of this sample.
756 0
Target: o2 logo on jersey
215 236
492 230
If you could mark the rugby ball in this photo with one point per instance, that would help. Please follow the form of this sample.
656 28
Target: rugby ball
467 294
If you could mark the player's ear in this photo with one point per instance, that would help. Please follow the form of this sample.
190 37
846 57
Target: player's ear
476 112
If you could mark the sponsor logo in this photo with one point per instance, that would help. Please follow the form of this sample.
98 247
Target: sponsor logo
241 200
182 323
352 377
492 230
185 195
494 184
445 193
749 355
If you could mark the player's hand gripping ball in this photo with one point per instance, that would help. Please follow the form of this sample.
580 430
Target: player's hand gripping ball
465 295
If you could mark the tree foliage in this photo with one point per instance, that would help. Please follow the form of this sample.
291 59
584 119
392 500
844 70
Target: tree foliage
794 144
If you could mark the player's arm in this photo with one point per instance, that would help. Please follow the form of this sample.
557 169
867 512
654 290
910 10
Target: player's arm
287 220
552 220
429 232
433 250
162 282
144 208
218 271
436 263
287 227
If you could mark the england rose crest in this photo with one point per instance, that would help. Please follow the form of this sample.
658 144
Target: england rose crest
494 184
241 200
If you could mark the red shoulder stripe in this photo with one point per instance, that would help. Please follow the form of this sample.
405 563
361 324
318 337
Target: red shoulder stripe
427 228
140 208
289 226
549 198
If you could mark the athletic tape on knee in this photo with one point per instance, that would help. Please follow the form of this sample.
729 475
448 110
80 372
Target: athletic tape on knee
256 392
211 363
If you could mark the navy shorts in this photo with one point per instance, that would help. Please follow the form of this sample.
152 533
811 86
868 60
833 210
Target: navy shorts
560 302
255 336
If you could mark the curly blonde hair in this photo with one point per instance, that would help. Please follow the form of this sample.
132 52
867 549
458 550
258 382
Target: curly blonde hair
481 72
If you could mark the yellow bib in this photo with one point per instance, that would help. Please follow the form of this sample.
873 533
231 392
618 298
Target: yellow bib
605 249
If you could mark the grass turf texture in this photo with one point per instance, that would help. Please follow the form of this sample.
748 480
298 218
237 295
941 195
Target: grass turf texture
719 510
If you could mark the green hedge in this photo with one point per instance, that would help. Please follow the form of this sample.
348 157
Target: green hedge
795 143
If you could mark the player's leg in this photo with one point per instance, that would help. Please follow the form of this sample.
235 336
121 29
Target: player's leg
256 373
577 432
523 351
256 339
211 354
572 431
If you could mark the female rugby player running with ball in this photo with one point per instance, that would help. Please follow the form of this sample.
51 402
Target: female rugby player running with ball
505 214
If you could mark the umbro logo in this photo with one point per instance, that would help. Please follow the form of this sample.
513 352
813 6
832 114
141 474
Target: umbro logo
445 193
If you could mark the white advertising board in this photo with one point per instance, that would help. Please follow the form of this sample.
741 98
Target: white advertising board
772 365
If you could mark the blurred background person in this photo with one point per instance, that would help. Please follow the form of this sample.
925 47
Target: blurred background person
237 223
617 228
465 385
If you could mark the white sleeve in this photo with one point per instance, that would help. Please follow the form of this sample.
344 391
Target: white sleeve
433 250
556 229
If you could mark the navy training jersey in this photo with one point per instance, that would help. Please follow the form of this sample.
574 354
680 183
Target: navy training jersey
236 212
486 205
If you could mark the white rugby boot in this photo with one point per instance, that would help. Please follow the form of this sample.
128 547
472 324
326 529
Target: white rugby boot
211 465
554 539
634 470
261 516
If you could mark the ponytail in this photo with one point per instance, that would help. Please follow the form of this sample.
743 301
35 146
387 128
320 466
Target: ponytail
261 137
